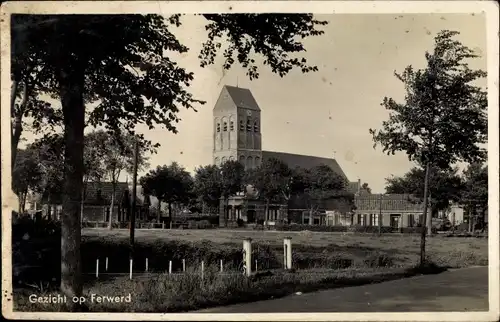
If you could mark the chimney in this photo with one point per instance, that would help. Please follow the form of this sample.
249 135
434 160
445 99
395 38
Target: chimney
359 185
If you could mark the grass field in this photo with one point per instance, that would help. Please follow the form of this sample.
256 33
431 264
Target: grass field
403 248
320 260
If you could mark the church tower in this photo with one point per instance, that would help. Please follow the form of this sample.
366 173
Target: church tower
236 128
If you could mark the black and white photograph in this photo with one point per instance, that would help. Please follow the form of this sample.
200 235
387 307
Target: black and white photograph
250 160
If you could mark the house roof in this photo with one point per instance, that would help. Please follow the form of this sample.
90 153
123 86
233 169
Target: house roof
389 202
101 192
242 97
304 161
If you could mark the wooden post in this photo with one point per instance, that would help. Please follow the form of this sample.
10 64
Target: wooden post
163 225
221 266
97 268
170 267
247 256
287 247
256 267
147 264
202 269
131 265
183 265
106 264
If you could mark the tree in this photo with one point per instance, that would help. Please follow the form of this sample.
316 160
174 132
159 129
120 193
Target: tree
232 174
51 157
366 188
445 186
272 181
117 153
208 185
26 176
170 184
475 193
443 117
321 183
121 62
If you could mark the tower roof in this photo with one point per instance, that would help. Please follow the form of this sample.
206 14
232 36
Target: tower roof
242 97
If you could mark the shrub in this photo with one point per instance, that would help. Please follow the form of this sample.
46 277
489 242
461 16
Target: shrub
415 230
317 228
370 229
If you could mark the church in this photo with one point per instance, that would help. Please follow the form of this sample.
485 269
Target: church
237 136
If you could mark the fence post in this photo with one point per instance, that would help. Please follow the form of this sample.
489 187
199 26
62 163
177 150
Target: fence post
247 256
170 267
202 269
183 265
256 267
97 268
287 248
131 264
147 264
221 266
106 264
163 225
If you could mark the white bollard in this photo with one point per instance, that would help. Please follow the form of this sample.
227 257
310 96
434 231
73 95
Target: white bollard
183 265
221 266
147 264
131 264
256 267
97 268
247 256
170 267
163 225
106 264
287 252
202 269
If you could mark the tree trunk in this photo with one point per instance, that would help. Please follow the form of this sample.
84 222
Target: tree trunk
428 222
112 207
226 210
424 219
266 213
158 215
71 93
170 213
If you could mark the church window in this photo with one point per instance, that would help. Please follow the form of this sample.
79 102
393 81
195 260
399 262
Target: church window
242 126
249 126
255 127
225 126
231 126
218 127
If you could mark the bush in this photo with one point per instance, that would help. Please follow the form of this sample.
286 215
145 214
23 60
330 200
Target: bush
370 229
317 228
415 230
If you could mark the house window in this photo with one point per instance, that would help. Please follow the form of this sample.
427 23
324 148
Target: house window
225 127
411 220
375 220
255 127
231 126
218 127
242 126
363 217
249 126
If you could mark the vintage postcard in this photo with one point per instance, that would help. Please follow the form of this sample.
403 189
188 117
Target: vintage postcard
250 160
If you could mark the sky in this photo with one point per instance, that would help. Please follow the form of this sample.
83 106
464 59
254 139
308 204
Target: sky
327 113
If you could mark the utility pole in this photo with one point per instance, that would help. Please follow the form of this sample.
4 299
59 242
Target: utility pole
380 216
134 197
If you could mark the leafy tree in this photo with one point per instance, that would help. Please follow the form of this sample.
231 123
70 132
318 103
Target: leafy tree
475 193
232 174
27 175
272 181
117 153
170 184
51 157
321 183
121 62
443 117
366 188
208 185
445 186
